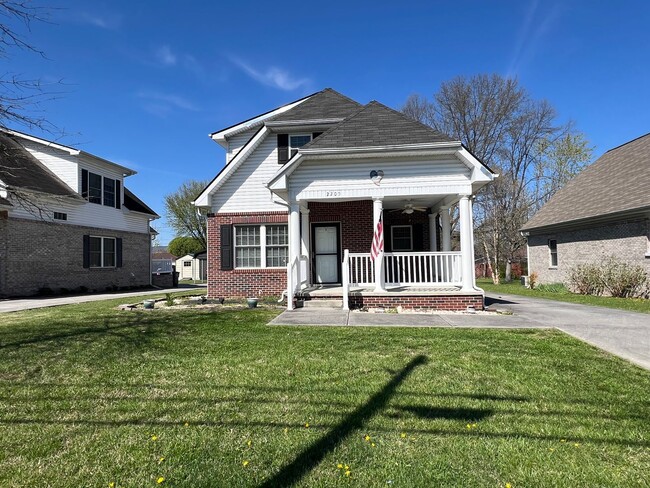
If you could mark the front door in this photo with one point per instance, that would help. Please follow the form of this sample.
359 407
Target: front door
327 253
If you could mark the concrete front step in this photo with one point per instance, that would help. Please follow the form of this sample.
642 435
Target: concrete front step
323 303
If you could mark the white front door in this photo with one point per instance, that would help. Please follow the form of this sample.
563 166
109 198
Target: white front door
326 253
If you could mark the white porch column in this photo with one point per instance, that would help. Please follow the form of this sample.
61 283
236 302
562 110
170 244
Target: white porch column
466 241
433 232
377 207
305 236
471 228
294 241
445 220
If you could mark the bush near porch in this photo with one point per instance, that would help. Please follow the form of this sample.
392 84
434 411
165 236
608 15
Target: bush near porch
90 395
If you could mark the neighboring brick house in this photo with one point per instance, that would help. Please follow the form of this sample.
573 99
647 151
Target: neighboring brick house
602 212
67 222
304 186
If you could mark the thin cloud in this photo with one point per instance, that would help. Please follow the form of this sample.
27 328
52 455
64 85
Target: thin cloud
535 25
164 55
103 21
273 76
162 104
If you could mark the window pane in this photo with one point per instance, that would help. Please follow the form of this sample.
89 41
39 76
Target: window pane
94 188
276 256
109 192
95 252
248 257
299 141
277 235
402 240
247 235
109 252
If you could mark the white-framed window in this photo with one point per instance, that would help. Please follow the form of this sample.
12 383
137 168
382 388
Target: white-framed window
552 253
100 189
102 252
261 246
296 141
402 237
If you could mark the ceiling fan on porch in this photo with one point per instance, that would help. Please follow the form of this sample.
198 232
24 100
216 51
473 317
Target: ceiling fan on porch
409 208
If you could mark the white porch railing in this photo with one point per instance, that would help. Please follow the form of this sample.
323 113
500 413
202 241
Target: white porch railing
297 277
407 269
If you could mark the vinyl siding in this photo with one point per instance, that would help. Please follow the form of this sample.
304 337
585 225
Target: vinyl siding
349 175
61 163
244 191
238 141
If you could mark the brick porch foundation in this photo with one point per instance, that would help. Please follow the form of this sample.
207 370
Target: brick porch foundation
410 302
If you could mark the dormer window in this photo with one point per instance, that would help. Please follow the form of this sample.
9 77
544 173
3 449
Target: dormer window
297 141
100 189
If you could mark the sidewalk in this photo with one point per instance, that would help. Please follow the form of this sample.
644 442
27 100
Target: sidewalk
16 305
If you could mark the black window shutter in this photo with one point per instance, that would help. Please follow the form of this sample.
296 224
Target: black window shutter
388 238
86 251
118 194
315 135
84 183
283 148
226 247
418 237
118 252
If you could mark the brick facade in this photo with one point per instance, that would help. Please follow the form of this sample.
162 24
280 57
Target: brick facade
448 302
38 254
627 241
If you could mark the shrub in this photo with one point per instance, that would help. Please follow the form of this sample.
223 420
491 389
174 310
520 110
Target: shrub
169 299
623 280
553 288
587 279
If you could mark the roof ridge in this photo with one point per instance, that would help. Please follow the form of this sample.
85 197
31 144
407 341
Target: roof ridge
404 116
628 142
333 128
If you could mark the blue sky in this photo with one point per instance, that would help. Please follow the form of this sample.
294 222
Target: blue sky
145 82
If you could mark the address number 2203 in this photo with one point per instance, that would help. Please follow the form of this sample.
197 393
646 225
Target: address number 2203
332 193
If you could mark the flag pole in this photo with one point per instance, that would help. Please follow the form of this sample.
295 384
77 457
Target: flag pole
377 248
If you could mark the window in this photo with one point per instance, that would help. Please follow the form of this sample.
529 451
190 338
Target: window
402 237
60 216
94 188
187 264
552 250
297 141
102 252
261 246
109 192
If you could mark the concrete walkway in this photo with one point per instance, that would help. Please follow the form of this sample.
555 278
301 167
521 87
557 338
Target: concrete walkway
625 334
16 305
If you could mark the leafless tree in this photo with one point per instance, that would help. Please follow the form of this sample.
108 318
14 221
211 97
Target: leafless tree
519 138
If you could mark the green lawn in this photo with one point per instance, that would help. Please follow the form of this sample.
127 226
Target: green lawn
91 396
563 295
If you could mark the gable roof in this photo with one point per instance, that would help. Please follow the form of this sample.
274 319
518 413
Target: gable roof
615 183
377 125
327 104
134 204
19 169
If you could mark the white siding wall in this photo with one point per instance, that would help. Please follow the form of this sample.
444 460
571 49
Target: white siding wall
235 143
244 191
355 175
58 162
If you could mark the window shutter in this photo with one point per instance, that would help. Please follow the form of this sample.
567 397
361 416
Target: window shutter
84 183
118 252
283 148
315 135
418 237
118 194
388 238
226 247
86 251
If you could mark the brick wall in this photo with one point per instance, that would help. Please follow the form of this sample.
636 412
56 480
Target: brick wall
242 282
628 241
419 302
39 254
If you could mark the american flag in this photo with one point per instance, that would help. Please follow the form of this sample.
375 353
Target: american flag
377 240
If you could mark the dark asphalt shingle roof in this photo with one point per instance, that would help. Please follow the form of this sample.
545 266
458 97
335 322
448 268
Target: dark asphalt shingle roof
4 201
20 170
376 124
326 104
133 203
618 181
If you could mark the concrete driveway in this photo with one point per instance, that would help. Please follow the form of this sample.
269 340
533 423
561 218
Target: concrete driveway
625 334
18 304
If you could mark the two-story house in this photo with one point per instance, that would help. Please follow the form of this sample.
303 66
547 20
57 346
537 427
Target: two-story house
67 221
304 189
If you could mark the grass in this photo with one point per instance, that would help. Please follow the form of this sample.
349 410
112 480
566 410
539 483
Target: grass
91 396
560 293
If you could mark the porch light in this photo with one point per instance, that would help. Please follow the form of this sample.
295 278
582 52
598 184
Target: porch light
376 176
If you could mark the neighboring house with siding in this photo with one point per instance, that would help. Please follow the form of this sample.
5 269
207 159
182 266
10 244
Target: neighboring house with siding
67 222
304 186
193 266
602 212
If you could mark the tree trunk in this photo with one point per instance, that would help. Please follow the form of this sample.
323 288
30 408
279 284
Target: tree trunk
508 277
492 265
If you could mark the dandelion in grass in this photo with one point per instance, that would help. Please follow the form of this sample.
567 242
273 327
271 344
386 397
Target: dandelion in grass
186 424
154 437
306 425
348 473
245 463
339 466
160 480
508 485
111 484
161 459
286 430
347 468
562 440
249 443
403 435
367 438
577 444
372 444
